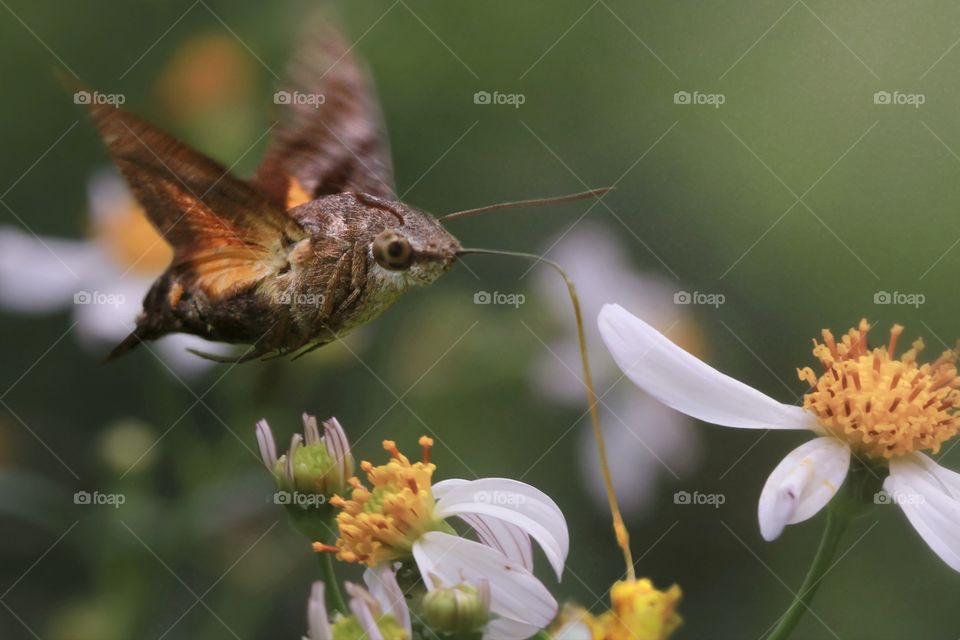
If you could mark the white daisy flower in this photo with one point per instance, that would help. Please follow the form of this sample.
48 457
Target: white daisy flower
403 516
884 410
378 612
645 439
104 278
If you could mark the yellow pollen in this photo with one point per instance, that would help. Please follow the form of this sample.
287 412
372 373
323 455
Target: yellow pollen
425 443
639 612
132 242
882 406
391 447
380 523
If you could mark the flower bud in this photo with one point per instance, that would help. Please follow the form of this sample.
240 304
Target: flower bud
313 470
313 465
459 609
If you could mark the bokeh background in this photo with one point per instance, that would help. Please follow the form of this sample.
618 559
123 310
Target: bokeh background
797 202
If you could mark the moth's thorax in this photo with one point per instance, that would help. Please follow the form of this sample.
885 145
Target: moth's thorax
352 219
336 272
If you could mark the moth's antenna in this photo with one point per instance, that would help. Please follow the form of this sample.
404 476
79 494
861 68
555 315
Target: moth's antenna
619 528
528 203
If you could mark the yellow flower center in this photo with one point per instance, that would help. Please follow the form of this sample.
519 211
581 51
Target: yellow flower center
881 405
380 524
129 238
639 612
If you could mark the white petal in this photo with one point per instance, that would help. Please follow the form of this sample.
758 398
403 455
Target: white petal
268 446
42 274
506 629
296 441
337 444
311 431
108 308
109 196
509 539
442 488
317 620
679 380
382 584
576 630
802 484
515 503
930 497
515 594
360 607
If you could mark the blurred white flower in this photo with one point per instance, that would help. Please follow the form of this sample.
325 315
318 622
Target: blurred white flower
104 278
644 439
867 403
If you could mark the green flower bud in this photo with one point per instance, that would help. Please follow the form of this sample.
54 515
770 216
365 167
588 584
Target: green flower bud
313 464
313 470
347 628
460 609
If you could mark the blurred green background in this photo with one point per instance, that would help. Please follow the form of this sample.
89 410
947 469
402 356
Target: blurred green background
706 197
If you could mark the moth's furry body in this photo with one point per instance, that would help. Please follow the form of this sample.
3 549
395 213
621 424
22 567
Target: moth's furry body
325 284
314 245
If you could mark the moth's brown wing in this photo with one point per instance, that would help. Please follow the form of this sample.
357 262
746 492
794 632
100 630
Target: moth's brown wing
225 234
330 137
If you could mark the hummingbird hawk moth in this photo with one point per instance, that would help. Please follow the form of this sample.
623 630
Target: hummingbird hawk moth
315 244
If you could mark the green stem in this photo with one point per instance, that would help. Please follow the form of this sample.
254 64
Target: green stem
334 598
838 517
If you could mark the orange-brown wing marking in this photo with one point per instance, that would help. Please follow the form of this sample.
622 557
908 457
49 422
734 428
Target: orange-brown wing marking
330 138
225 234
296 194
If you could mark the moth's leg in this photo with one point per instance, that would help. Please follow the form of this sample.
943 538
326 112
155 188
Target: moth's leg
309 349
354 262
252 354
358 277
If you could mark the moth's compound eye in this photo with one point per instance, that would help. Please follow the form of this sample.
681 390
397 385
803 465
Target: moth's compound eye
392 251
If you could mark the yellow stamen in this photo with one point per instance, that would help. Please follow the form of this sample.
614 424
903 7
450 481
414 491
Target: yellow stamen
381 523
426 443
639 612
319 547
391 447
882 406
